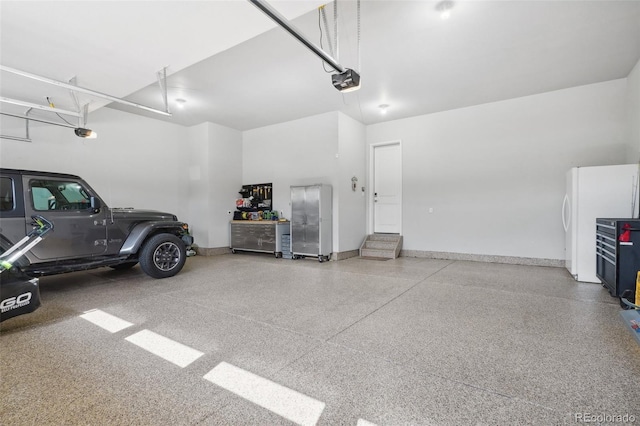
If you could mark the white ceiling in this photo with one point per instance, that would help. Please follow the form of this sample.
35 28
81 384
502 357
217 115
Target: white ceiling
233 73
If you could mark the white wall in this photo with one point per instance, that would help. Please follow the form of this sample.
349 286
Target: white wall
495 173
144 163
351 205
326 148
199 204
299 152
225 179
215 175
134 162
633 112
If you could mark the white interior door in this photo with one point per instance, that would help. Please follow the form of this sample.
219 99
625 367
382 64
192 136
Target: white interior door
387 187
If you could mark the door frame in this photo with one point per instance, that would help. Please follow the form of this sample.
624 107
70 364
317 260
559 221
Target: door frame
371 179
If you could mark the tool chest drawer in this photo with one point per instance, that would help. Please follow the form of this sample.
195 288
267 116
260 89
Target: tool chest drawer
261 236
617 253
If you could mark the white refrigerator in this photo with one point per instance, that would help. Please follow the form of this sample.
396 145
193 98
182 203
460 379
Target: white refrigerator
592 192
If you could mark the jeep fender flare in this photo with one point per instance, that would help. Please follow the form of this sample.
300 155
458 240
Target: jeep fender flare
141 231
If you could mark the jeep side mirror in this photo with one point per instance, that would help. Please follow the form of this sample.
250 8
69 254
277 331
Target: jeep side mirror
95 203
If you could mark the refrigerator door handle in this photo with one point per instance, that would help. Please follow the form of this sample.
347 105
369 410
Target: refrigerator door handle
565 203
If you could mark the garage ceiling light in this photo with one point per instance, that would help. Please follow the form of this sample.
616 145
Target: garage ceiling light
85 133
444 7
79 131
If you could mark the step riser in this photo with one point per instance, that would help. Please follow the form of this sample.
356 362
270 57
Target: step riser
381 245
381 237
388 254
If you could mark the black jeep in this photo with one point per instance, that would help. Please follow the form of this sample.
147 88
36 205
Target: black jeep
87 234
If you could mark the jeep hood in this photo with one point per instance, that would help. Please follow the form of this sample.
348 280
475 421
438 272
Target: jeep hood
136 214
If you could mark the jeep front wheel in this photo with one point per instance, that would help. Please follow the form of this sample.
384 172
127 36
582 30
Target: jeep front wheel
162 256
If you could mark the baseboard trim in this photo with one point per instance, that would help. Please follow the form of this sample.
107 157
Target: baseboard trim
216 251
345 254
513 260
212 251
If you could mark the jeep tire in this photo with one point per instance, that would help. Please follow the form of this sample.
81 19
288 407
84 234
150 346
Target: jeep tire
162 255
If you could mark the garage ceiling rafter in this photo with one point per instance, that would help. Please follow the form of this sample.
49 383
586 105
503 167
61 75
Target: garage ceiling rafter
40 107
74 88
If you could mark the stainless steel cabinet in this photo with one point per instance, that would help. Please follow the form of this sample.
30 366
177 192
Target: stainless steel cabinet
262 236
311 221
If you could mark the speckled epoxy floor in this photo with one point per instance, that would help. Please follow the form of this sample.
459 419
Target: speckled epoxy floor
405 341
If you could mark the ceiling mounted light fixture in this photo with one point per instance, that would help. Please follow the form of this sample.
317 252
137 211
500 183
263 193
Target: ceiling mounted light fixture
444 8
79 131
180 103
383 108
85 133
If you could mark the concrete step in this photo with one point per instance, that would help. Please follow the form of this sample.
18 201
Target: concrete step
382 246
